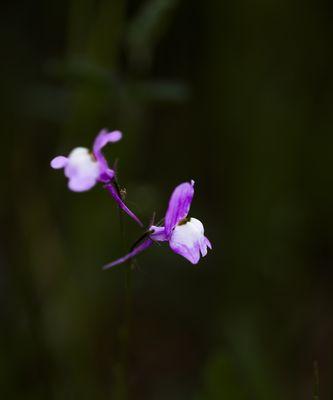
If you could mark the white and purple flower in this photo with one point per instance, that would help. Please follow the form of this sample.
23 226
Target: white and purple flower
185 235
84 168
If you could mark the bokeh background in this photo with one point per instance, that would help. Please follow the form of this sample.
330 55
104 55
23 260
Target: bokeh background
237 95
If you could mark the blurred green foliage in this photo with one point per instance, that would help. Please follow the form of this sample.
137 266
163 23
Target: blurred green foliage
236 95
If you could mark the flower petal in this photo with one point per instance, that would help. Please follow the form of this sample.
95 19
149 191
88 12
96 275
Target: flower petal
82 170
208 243
185 240
179 205
114 193
102 139
204 243
81 184
141 247
191 254
59 162
203 246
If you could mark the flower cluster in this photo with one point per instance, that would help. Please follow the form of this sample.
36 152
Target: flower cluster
185 235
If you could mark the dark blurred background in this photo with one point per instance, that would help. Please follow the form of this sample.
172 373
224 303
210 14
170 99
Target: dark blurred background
237 95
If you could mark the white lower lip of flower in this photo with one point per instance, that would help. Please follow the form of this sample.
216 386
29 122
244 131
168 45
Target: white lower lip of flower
82 170
198 224
188 234
81 163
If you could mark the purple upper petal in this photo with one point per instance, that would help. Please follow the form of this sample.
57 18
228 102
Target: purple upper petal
102 139
137 250
179 205
114 193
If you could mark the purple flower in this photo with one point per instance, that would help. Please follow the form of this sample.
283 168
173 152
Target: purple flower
185 235
84 168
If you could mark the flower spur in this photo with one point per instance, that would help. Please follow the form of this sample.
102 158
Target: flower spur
185 235
84 169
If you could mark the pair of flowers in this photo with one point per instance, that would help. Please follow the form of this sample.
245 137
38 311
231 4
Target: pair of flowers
84 169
